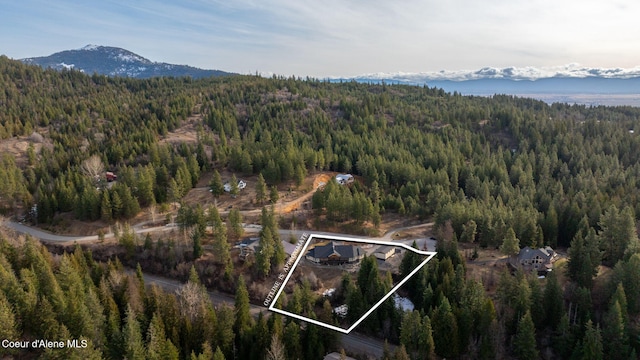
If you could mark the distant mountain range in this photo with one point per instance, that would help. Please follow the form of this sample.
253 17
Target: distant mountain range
113 61
571 83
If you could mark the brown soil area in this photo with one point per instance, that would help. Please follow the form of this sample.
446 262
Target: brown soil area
187 133
291 198
17 147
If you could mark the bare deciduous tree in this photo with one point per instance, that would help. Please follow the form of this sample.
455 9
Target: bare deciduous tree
276 350
92 167
192 298
153 210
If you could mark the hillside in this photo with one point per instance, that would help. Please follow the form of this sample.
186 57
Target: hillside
113 61
483 169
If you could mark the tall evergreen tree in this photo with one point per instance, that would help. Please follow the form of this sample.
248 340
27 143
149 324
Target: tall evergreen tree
233 183
197 245
584 258
524 343
591 345
510 245
244 321
132 337
215 185
273 194
552 299
261 190
221 247
445 330
234 225
614 335
8 330
618 234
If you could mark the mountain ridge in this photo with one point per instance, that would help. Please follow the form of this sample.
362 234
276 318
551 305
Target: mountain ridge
530 73
114 61
570 83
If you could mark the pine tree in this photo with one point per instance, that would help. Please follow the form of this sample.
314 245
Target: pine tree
221 247
234 225
445 330
8 330
218 355
215 185
273 195
197 245
225 334
155 338
468 232
264 253
427 346
524 343
591 348
552 299
116 205
511 245
401 353
621 297
261 190
615 339
618 234
299 174
292 341
244 321
174 191
563 337
584 258
233 183
132 337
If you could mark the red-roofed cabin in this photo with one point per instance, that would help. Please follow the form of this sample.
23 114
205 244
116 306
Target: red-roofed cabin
111 176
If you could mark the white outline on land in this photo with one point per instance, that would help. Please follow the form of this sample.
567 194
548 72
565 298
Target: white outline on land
429 254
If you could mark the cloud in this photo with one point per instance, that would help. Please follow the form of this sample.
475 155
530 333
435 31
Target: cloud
337 37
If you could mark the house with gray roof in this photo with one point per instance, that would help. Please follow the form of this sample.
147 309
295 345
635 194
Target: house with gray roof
541 259
334 254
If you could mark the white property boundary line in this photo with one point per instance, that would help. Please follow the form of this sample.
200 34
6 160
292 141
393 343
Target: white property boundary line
429 254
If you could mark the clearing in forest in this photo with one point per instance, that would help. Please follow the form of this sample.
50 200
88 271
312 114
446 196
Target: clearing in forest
332 263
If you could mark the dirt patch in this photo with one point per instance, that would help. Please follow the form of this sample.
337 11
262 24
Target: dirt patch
187 133
291 198
486 268
18 147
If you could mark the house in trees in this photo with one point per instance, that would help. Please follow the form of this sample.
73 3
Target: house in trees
111 176
385 252
541 259
344 179
241 185
334 254
248 247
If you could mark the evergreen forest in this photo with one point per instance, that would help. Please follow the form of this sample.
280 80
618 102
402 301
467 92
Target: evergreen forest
497 172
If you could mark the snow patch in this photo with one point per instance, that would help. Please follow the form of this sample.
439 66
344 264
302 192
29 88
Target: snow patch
90 47
128 57
67 66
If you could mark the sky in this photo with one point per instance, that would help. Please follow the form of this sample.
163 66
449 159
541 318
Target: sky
333 37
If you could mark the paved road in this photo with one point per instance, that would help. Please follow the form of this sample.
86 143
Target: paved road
352 342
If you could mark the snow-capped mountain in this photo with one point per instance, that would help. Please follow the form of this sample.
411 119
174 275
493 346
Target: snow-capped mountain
508 73
113 61
571 83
